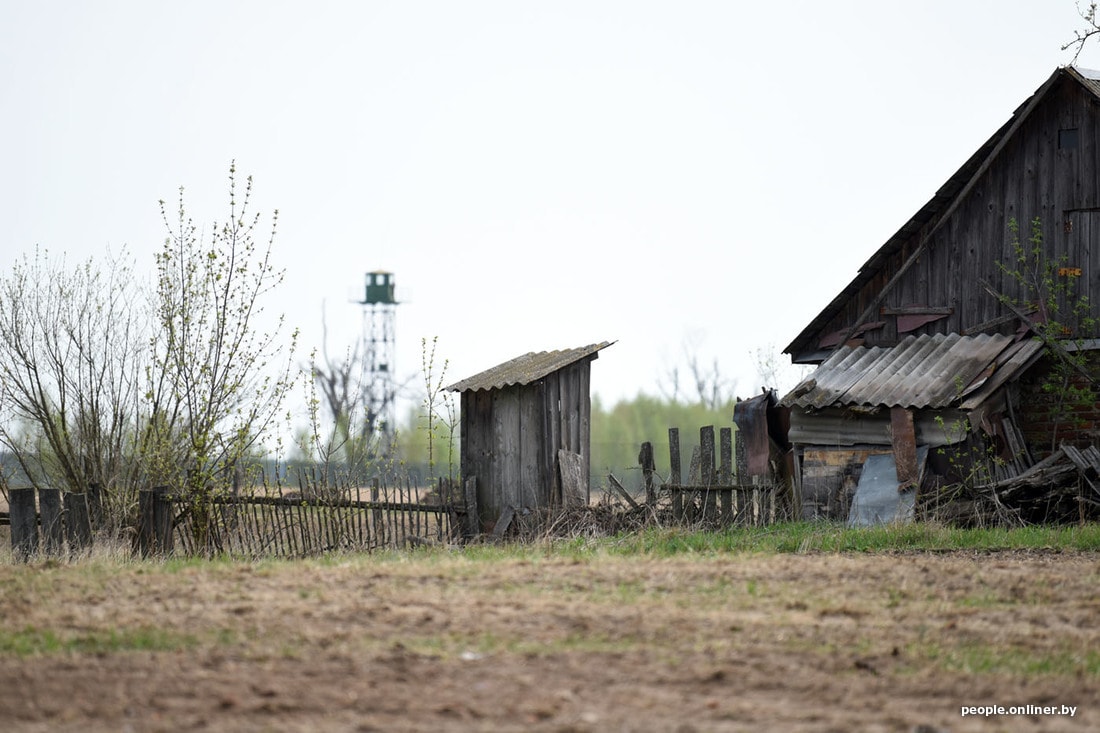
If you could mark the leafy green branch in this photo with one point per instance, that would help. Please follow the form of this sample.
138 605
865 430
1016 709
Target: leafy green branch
1059 315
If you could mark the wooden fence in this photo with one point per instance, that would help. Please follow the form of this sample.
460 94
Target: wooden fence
66 521
712 495
242 526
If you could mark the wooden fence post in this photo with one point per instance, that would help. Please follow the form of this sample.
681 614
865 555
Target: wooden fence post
725 475
52 531
757 503
154 522
473 519
24 524
78 525
162 520
95 506
706 473
146 537
648 468
377 519
675 474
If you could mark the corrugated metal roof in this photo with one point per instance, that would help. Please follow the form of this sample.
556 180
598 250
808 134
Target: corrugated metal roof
934 371
526 369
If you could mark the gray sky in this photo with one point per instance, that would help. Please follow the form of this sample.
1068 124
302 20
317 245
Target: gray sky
538 175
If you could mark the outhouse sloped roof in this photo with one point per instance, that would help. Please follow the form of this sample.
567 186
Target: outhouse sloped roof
928 371
526 369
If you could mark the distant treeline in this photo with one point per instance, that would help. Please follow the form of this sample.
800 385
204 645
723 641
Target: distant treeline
619 430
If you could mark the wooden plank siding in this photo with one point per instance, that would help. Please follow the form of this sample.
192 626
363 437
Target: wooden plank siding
552 433
1030 176
531 490
475 447
508 459
569 411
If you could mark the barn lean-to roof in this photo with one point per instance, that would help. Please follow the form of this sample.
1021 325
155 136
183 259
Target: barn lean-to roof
929 371
929 218
526 369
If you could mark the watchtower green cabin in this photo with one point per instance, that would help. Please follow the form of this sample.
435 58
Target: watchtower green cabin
379 288
526 432
936 329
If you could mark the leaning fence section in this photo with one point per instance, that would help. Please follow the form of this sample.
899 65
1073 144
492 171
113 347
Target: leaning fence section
714 493
352 520
368 519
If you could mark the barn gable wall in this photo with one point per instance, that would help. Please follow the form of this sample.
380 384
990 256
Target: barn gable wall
1032 175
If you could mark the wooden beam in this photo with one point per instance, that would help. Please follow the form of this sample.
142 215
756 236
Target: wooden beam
473 520
991 323
916 310
614 482
504 522
877 301
1051 343
675 472
574 480
649 468
904 439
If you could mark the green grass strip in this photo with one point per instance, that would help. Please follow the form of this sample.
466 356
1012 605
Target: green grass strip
30 641
815 537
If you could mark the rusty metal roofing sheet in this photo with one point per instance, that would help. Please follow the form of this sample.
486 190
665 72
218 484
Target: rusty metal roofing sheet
526 369
933 371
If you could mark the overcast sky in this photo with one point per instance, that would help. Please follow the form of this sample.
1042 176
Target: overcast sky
538 175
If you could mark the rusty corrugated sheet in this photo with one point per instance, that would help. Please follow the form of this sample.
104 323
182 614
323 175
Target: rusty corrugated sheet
929 371
751 418
1013 361
526 369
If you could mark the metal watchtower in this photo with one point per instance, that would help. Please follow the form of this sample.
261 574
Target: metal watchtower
379 343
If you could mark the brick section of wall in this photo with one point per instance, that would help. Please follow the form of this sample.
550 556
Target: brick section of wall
1045 419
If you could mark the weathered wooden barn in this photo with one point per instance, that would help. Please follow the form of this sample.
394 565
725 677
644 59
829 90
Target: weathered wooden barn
940 328
525 431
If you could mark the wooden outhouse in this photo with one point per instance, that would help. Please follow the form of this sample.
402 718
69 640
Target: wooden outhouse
525 431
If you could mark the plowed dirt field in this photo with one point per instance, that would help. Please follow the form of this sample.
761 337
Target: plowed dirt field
444 642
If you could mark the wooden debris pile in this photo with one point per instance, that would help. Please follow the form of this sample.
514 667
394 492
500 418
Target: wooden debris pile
1062 488
596 520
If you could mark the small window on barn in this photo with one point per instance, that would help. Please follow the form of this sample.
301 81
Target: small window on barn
1067 139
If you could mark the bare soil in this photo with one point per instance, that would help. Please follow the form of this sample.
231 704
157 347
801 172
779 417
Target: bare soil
444 642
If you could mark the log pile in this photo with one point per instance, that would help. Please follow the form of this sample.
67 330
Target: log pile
1060 489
